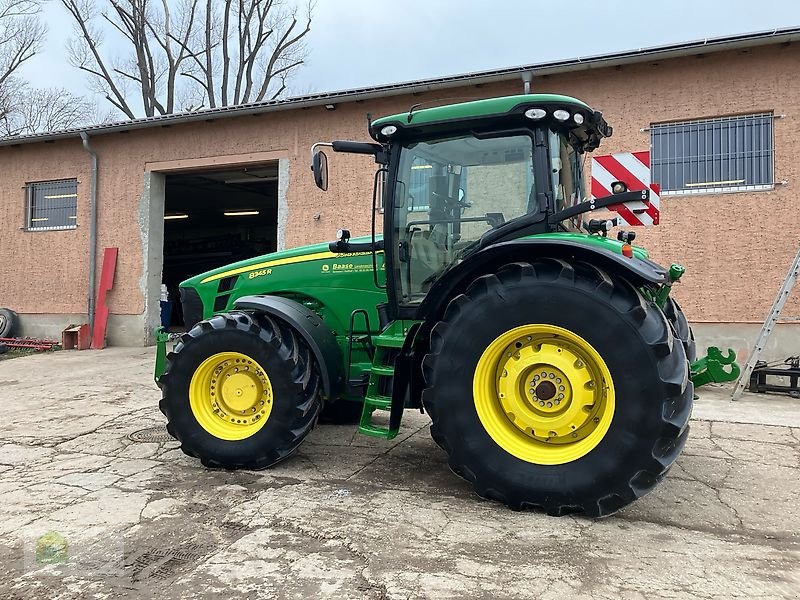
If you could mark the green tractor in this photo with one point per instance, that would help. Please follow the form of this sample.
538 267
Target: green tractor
553 364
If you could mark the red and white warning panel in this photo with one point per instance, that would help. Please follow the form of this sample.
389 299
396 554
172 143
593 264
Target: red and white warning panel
632 169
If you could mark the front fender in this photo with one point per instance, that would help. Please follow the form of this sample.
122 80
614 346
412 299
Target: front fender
638 271
312 328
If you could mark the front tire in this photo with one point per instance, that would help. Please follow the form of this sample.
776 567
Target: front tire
497 366
240 391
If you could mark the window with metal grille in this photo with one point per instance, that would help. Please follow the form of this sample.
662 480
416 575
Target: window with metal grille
51 205
728 154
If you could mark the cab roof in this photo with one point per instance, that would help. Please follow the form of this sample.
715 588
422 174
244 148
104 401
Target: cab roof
496 113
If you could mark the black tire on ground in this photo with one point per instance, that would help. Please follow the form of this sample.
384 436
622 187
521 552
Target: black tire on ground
684 332
292 373
341 412
647 365
8 322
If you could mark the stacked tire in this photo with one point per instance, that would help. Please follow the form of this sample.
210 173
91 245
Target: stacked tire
8 323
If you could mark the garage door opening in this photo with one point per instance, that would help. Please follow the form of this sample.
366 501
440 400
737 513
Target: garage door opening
213 218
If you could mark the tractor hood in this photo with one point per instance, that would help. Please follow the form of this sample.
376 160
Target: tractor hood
321 251
310 274
266 261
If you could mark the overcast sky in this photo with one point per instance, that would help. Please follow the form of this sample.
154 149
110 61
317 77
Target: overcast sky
364 42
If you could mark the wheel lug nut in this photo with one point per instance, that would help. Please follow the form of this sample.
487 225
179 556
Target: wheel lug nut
579 364
574 435
552 375
549 405
558 379
590 385
558 402
596 419
561 388
541 402
561 396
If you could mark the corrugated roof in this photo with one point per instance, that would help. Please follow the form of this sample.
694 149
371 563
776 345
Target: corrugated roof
718 44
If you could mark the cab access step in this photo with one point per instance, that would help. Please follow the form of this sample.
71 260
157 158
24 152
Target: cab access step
379 390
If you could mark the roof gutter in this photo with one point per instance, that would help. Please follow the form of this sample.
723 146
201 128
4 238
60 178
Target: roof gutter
92 232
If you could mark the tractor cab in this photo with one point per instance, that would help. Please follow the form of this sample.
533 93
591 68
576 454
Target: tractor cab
460 178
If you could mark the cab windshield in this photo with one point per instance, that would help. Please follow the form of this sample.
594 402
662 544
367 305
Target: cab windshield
448 194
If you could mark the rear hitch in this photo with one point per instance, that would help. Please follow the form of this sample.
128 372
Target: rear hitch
715 368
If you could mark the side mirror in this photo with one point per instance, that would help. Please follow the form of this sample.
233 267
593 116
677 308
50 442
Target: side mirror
320 167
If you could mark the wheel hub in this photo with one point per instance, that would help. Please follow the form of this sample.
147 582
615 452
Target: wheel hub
544 394
230 395
239 391
544 391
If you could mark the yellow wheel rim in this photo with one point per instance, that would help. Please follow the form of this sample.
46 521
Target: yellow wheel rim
543 394
230 395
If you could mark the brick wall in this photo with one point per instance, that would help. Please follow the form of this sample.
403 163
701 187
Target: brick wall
736 247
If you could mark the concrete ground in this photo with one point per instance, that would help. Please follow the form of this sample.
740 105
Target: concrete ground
83 453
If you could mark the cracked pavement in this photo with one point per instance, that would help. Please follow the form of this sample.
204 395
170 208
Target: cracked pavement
83 452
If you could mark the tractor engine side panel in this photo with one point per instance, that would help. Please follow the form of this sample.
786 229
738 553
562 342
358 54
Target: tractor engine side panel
331 285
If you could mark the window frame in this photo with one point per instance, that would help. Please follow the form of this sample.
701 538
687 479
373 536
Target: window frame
31 188
719 189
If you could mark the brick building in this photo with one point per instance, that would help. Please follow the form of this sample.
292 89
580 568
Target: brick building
173 193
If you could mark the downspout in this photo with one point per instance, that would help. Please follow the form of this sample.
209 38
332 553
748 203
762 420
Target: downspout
92 231
527 77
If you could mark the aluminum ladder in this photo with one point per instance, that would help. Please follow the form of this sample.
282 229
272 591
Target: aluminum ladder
769 325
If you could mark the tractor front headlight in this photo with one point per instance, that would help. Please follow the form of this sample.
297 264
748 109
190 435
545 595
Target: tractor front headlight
578 118
561 115
536 113
389 131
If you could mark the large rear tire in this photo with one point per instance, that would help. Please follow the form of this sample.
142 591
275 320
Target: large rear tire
518 341
240 391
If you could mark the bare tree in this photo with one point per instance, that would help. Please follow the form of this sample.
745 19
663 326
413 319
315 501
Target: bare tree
261 42
21 34
27 110
204 52
154 59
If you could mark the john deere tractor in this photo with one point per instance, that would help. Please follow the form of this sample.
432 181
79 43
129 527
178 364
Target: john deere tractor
549 356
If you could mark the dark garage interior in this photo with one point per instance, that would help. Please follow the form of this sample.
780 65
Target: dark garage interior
213 218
